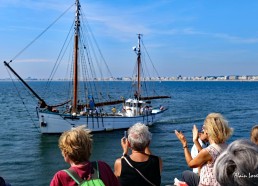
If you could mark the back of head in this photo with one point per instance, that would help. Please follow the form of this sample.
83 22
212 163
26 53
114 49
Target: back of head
238 164
254 134
217 128
139 136
76 144
2 182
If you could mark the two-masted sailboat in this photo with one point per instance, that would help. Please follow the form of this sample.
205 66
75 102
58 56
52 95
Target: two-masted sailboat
90 110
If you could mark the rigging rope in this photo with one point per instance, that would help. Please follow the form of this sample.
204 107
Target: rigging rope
59 59
100 60
19 95
96 43
150 60
146 52
41 34
144 73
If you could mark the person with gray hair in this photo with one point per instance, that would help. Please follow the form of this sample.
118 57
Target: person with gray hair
140 167
238 164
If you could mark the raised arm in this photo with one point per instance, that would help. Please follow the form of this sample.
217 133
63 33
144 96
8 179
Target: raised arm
195 138
124 145
202 157
182 139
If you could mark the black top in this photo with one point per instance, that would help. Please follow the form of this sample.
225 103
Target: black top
150 169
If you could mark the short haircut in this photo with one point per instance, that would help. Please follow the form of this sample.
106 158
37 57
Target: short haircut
238 164
139 136
217 128
254 134
76 144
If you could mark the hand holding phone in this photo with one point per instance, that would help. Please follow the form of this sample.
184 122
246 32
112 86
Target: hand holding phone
124 143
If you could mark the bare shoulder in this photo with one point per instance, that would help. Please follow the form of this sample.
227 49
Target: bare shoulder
205 155
118 161
117 167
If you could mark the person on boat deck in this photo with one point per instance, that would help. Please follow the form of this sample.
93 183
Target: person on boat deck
218 131
136 95
91 104
76 147
142 110
254 134
146 110
161 107
113 110
70 108
148 165
97 111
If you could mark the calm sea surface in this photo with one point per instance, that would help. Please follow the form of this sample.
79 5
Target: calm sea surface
29 158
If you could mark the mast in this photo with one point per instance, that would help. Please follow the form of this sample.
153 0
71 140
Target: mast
76 39
139 67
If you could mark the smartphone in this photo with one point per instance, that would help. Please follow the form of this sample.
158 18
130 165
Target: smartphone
125 134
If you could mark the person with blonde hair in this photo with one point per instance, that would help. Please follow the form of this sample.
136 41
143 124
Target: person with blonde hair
217 129
238 164
139 168
76 148
254 134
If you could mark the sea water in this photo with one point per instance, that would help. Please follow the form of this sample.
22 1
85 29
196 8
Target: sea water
30 158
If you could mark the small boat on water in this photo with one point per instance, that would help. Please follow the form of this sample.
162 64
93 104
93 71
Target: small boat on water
86 106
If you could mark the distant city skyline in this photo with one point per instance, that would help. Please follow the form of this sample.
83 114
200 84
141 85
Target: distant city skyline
172 78
188 38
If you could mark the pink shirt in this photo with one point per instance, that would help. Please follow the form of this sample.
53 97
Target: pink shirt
61 178
207 177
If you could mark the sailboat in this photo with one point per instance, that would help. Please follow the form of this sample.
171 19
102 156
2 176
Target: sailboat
90 110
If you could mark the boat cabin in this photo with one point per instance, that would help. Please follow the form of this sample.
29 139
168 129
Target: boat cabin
135 107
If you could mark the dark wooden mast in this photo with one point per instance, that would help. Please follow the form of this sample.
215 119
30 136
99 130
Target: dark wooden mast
76 39
139 67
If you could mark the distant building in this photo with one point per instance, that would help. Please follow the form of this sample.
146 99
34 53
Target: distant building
232 77
243 77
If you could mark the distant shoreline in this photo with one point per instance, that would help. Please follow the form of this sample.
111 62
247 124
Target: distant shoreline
230 78
38 80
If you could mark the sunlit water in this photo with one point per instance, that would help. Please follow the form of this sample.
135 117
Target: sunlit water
29 158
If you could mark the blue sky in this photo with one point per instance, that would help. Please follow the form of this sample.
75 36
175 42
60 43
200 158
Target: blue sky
188 38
